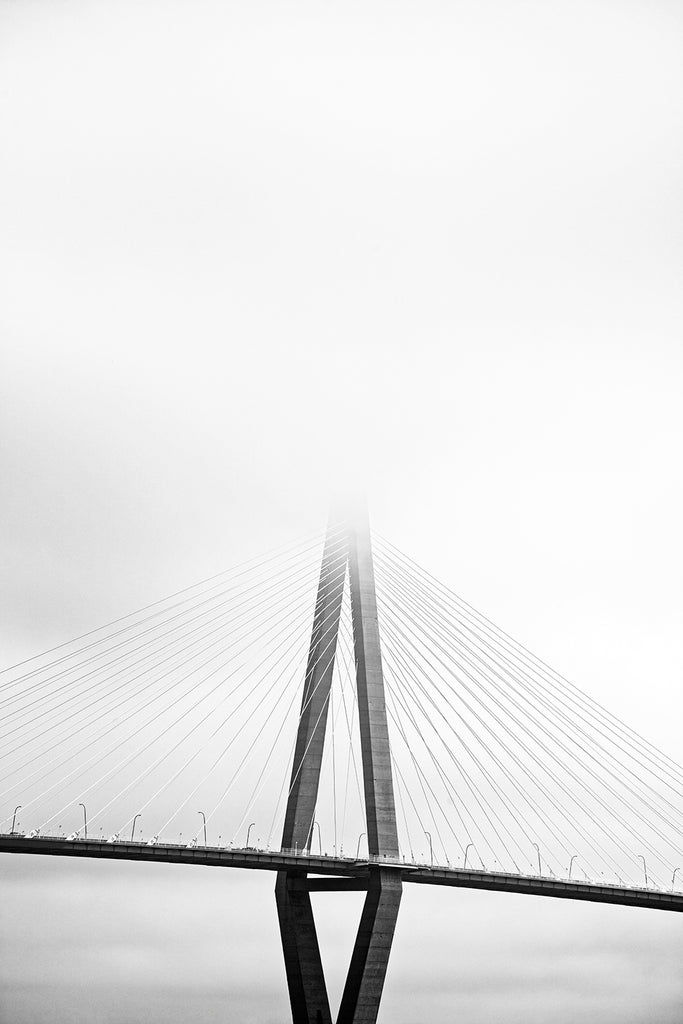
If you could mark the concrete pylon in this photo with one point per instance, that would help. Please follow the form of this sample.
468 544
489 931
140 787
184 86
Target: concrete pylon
347 545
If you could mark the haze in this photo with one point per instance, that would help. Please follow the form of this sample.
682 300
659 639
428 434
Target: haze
250 252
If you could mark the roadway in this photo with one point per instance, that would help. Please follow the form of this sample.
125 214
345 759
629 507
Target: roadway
357 871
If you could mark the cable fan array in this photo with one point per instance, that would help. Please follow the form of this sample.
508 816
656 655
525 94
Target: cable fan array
178 723
502 762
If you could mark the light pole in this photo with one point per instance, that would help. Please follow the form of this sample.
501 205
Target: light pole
467 850
673 879
644 869
431 851
248 833
14 817
132 831
540 869
574 856
320 841
358 846
85 821
204 820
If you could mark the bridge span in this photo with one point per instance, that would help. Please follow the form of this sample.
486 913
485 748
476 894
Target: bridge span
343 873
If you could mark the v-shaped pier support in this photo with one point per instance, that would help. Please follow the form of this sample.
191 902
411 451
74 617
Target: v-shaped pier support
367 971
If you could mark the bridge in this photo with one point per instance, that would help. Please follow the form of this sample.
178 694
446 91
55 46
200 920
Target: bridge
335 687
355 872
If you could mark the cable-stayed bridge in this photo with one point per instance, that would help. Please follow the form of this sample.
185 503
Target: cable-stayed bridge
332 713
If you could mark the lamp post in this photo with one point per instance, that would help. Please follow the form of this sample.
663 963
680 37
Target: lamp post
431 851
249 833
320 841
574 856
358 846
644 869
540 869
204 820
467 850
85 821
673 878
132 831
14 817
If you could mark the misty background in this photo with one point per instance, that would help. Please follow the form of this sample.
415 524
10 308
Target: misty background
254 253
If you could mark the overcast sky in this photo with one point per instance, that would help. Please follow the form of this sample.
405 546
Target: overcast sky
252 251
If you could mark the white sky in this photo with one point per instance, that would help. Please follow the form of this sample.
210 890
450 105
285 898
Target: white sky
249 251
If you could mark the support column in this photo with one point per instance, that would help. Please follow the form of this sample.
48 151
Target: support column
303 966
374 734
310 739
305 977
368 968
370 959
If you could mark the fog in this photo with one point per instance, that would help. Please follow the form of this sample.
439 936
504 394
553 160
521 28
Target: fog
253 254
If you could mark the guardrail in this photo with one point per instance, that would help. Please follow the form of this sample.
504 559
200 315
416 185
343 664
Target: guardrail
282 860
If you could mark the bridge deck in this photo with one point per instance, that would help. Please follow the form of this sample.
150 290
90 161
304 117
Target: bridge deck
269 860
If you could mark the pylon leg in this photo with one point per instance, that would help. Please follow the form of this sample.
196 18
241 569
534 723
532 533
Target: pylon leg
370 958
305 978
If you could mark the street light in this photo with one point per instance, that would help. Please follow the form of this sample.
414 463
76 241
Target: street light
467 849
574 856
540 869
14 817
320 841
358 846
204 820
644 869
85 821
132 831
248 834
673 880
431 851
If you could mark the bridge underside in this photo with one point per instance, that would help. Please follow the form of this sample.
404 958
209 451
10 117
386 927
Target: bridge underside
349 874
367 970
